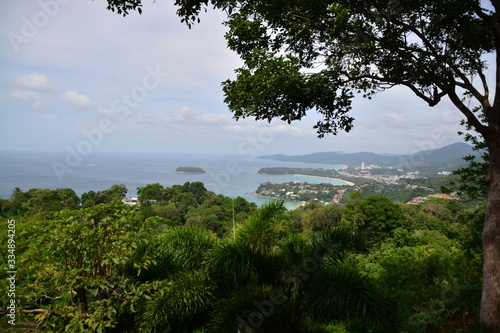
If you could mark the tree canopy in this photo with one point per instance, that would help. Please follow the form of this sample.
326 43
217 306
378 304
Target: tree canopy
318 55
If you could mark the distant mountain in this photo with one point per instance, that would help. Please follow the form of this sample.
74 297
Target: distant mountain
450 155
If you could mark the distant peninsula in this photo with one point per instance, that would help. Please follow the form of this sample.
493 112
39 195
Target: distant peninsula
448 157
310 172
189 170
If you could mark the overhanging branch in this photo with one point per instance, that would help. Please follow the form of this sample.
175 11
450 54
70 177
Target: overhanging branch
471 117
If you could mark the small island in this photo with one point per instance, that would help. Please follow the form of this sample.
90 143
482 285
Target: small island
189 170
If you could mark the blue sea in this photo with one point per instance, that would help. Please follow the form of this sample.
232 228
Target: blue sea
229 175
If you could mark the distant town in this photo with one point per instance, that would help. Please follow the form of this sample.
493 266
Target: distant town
407 186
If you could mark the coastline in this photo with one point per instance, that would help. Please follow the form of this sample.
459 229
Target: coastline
255 194
339 180
189 173
346 183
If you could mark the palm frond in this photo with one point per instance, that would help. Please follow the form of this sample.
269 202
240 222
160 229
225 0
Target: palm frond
335 243
258 232
187 246
253 308
271 210
234 265
292 247
343 293
177 303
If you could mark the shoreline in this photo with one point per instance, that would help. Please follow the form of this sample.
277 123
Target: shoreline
337 179
348 183
255 194
190 173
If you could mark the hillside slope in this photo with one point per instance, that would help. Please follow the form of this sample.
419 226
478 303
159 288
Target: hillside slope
451 155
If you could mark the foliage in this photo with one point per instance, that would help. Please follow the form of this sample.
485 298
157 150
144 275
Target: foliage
376 215
427 272
473 177
42 200
123 7
92 198
114 267
152 193
77 263
262 281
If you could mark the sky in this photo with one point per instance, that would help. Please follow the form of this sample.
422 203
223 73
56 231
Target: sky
77 77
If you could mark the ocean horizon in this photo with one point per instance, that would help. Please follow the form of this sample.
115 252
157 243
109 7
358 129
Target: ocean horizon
230 175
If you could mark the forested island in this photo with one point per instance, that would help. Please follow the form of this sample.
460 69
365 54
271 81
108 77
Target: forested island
189 170
183 256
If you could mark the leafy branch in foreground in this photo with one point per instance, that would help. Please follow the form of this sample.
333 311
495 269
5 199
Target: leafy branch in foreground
78 261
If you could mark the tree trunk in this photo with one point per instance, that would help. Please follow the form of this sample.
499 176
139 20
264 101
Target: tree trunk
490 301
81 292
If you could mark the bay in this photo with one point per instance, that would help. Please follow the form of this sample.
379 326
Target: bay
230 175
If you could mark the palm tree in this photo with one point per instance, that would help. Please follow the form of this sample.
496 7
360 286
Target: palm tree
180 292
260 282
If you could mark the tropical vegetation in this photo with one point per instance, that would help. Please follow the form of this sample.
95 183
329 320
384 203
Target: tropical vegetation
189 260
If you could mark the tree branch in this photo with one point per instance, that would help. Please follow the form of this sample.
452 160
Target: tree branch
431 100
471 117
35 311
494 26
485 85
467 85
433 53
43 311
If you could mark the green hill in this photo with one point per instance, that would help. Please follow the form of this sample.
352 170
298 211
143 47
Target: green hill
449 157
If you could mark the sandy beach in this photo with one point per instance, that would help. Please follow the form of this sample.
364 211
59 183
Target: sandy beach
340 180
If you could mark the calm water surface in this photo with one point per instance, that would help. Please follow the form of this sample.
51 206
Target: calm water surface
225 174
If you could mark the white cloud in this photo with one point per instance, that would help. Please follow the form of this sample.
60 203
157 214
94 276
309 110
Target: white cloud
190 117
108 113
397 119
148 118
188 121
185 115
212 118
30 97
77 100
288 130
235 128
33 81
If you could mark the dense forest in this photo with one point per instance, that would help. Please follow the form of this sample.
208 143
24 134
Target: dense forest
188 260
